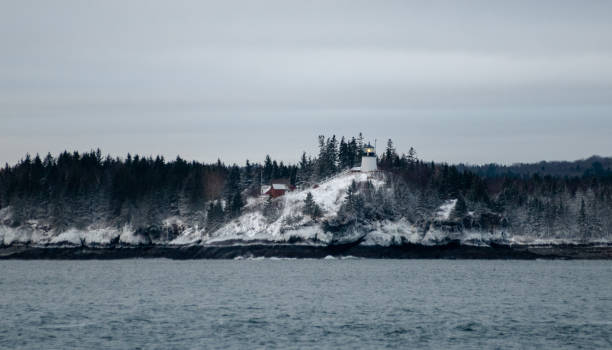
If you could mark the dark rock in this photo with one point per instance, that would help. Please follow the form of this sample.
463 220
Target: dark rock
450 250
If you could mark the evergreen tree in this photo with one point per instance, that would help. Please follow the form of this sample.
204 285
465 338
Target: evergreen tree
195 187
232 184
293 175
354 204
272 209
268 170
215 216
344 156
234 201
390 151
303 162
304 172
412 156
460 209
248 174
311 207
322 160
275 170
328 156
332 155
583 223
235 206
354 153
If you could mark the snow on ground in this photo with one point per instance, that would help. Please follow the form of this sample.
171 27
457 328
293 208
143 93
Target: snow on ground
190 235
21 235
530 240
92 235
330 195
291 223
251 225
446 209
388 232
89 236
248 226
31 232
128 236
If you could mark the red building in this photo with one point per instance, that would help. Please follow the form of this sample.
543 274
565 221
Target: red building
277 190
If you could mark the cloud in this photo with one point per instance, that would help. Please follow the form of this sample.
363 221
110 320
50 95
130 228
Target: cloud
113 73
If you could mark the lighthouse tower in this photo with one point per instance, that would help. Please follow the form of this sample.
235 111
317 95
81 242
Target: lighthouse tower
368 159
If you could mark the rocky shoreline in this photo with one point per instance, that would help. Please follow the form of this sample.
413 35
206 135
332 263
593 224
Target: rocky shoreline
451 250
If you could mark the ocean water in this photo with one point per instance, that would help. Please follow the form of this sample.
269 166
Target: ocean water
295 304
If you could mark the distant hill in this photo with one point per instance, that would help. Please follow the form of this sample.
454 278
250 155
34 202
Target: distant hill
592 166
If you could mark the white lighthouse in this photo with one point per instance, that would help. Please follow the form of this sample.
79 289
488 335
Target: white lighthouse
368 159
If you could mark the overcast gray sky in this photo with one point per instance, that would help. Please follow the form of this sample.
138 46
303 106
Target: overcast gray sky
461 81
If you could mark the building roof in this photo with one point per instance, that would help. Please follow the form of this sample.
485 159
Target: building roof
280 187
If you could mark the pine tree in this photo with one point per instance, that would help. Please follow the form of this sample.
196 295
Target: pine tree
304 171
460 209
425 205
354 203
195 188
303 162
344 158
332 155
215 216
412 155
311 207
535 216
233 192
322 161
236 205
233 182
267 171
248 175
271 209
275 170
309 203
583 229
354 153
390 151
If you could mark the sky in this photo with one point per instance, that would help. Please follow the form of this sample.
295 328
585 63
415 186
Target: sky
460 81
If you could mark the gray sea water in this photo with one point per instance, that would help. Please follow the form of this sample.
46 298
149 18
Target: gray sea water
294 304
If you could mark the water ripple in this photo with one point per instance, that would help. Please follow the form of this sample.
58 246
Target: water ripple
295 304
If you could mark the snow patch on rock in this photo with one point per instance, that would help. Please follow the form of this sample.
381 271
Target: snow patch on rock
128 236
446 209
387 233
89 236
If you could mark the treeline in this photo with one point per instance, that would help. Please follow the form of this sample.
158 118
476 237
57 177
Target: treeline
78 189
592 166
542 206
81 189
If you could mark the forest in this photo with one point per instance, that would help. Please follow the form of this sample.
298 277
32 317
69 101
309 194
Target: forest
559 200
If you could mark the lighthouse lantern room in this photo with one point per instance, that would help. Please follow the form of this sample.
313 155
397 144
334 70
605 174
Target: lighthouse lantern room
368 159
